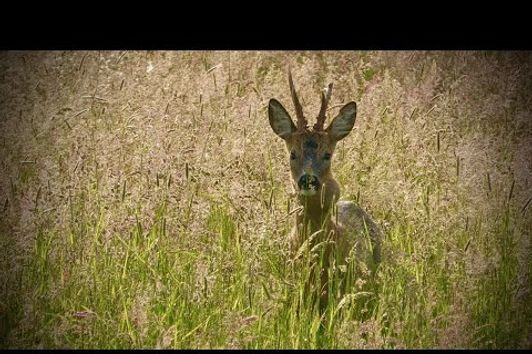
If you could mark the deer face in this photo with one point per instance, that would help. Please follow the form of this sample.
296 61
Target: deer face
310 151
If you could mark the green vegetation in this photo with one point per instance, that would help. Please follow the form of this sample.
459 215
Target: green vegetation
146 203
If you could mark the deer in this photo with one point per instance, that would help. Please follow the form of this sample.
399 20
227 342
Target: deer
340 226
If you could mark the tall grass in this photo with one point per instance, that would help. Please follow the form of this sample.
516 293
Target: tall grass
146 202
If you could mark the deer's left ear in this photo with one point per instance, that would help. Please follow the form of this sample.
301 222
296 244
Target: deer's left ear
343 123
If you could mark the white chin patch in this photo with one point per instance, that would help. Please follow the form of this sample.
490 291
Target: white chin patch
307 192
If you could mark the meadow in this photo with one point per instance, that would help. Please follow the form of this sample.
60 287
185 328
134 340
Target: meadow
145 201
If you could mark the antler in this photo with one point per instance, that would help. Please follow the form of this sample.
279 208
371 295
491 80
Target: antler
325 97
301 121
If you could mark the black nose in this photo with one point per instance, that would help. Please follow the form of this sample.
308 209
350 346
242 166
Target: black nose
308 182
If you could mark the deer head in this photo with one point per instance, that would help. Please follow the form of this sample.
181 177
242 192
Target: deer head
311 150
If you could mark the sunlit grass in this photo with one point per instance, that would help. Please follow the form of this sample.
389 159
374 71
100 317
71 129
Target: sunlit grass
157 214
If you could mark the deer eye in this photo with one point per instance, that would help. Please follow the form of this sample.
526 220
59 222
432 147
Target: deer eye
327 156
293 155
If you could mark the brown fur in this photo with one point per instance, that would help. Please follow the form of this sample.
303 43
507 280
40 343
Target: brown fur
311 153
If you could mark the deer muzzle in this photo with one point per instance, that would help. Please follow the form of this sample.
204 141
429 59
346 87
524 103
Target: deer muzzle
308 185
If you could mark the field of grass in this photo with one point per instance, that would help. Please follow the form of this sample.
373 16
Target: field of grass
145 200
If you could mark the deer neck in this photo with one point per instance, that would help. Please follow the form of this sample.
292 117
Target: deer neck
317 209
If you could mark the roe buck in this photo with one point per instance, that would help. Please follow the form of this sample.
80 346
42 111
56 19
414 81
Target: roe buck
311 152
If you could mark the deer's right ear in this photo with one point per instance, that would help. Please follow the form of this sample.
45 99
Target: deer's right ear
280 120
